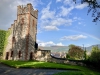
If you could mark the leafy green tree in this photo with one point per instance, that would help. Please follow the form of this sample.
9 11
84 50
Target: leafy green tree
95 54
75 52
67 56
71 45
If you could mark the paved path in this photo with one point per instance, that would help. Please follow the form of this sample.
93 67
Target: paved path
5 70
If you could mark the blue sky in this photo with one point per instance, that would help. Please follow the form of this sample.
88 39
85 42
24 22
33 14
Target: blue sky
60 22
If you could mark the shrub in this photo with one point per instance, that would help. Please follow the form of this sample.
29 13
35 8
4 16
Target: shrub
2 40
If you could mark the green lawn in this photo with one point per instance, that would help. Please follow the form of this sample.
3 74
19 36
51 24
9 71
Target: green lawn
35 64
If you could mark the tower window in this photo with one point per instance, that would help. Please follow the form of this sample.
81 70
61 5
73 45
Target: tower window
13 39
19 54
11 53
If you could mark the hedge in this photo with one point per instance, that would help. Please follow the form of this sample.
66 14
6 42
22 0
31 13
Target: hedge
2 40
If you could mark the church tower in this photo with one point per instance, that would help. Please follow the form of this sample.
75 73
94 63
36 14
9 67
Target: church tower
23 34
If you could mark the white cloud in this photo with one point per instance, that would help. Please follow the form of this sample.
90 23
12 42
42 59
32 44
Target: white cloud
76 18
68 2
49 43
46 43
81 6
46 13
42 43
59 44
74 37
61 21
49 28
65 11
54 23
50 20
72 4
65 1
8 11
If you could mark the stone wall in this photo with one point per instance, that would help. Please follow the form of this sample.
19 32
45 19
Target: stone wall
43 55
65 61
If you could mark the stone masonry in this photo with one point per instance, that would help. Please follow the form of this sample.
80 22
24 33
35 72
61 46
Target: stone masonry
22 40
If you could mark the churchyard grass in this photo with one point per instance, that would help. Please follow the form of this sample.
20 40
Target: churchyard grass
72 69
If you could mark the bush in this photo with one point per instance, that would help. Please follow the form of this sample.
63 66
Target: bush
2 40
95 55
94 59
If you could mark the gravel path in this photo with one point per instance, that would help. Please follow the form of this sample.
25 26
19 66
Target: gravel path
5 70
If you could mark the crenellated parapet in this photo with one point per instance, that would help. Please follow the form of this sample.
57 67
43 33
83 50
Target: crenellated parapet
34 13
27 9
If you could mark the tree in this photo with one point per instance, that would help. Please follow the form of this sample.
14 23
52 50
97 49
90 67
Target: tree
67 56
94 6
71 45
95 54
76 52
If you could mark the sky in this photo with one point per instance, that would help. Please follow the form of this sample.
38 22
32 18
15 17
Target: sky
60 22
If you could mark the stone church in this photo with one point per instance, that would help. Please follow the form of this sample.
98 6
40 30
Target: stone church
22 37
